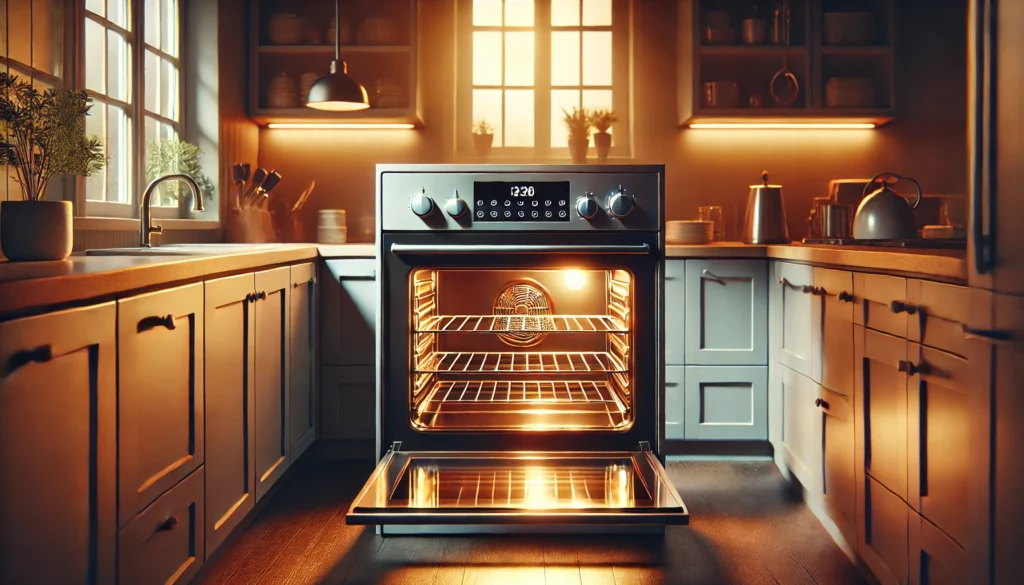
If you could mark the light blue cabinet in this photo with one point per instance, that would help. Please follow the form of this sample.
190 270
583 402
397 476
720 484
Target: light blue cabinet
726 403
726 312
349 312
799 319
675 401
675 304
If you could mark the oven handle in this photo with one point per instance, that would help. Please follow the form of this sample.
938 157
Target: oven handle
412 249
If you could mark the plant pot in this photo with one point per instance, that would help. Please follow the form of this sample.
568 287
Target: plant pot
482 143
603 142
578 149
36 230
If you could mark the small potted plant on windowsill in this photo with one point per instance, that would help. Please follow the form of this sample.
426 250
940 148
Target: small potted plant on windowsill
172 156
602 120
42 135
577 123
483 138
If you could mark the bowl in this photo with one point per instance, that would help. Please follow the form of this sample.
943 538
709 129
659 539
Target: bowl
848 28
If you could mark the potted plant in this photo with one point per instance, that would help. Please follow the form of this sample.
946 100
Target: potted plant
172 156
483 138
43 135
577 123
602 120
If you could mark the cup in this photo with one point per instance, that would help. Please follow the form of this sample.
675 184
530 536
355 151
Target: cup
835 220
713 213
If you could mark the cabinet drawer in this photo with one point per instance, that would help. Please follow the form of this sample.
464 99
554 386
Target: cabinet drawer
881 408
798 424
800 344
164 544
675 402
726 403
935 559
881 303
837 300
726 312
883 528
675 304
940 312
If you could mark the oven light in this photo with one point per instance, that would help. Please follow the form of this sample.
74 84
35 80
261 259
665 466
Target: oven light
575 279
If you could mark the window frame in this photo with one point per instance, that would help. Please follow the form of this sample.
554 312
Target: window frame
622 86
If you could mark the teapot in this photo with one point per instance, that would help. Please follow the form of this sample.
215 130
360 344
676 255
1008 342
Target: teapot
884 214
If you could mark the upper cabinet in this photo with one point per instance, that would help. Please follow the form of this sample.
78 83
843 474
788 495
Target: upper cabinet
739 62
293 46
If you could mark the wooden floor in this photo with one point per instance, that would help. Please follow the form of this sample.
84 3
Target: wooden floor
744 530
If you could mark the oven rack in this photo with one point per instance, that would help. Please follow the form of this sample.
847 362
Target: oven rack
520 362
521 324
524 392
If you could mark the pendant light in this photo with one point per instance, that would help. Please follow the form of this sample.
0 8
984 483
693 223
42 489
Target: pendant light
336 91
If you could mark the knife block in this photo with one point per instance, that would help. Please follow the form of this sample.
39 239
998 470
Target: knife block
249 226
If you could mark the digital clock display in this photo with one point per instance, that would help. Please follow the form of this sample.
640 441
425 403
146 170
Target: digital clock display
521 201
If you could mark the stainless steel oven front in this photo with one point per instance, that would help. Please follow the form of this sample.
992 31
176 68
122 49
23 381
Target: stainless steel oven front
520 363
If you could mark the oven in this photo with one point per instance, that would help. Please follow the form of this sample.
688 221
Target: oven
519 354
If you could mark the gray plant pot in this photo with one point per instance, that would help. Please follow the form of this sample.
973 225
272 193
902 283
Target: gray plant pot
32 231
603 142
578 150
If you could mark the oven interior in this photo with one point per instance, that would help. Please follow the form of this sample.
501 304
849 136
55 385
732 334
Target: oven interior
521 350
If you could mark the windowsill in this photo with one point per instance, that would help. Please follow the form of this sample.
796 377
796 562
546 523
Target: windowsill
124 224
555 160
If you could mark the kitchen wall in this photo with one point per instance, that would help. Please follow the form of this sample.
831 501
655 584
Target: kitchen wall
927 141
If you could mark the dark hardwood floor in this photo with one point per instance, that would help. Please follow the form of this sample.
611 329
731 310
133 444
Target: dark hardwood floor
745 529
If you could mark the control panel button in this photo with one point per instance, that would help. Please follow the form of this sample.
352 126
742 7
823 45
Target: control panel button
620 204
586 207
456 207
508 213
480 214
561 214
421 204
494 214
547 213
535 213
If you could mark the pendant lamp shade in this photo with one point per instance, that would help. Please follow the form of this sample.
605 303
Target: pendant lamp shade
336 91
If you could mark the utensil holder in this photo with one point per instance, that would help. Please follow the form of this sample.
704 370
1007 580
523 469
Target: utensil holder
249 226
289 227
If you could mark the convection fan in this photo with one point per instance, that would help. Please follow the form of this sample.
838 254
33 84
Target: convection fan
520 300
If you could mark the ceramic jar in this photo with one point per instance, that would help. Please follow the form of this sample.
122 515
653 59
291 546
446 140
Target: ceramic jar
36 230
281 92
284 29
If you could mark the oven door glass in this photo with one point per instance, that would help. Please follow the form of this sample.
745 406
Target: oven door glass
485 487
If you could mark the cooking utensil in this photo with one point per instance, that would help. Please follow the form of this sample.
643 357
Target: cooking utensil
264 191
755 31
765 219
834 220
814 218
885 214
784 87
238 176
302 198
720 94
713 213
257 181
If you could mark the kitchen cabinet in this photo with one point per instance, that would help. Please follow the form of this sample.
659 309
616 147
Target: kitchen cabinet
726 312
883 529
230 408
302 382
58 447
164 544
880 408
835 458
270 376
881 303
935 559
675 402
940 312
675 314
726 403
835 288
800 319
349 312
798 441
160 394
349 403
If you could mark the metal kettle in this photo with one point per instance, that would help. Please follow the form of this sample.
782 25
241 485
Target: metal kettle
885 214
765 219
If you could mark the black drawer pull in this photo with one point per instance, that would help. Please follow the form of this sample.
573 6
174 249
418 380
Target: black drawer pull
250 297
800 287
148 323
39 355
310 281
818 291
262 295
845 297
820 403
169 524
902 307
992 336
913 369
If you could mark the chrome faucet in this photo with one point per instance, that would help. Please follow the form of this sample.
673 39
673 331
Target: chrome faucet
146 229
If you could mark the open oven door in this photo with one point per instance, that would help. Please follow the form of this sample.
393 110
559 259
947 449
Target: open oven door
518 487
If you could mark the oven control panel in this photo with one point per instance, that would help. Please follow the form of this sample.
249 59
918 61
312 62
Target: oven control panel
508 198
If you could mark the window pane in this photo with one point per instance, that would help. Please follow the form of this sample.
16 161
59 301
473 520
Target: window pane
486 58
96 7
95 125
565 12
565 58
152 82
597 12
597 58
119 150
562 98
117 66
95 49
152 26
117 13
519 58
161 81
518 12
519 117
167 194
487 106
486 12
169 18
598 99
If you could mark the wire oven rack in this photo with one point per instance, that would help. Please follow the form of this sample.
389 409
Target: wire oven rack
520 362
521 323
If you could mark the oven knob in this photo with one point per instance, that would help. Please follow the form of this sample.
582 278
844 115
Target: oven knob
620 204
455 207
421 204
586 207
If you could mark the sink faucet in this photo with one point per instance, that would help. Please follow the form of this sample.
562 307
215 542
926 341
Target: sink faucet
146 229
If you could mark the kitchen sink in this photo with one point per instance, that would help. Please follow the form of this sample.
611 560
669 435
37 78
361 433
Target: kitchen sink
180 250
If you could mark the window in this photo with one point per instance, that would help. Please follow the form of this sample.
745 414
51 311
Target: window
529 59
131 70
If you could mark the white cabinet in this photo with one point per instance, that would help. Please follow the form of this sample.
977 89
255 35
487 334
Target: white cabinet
302 395
349 312
837 301
881 408
58 447
675 318
675 402
798 442
799 318
835 461
726 403
726 312
270 376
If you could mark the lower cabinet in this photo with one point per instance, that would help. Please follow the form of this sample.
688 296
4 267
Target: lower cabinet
58 447
935 559
726 403
835 471
270 376
883 524
799 414
881 407
675 402
302 383
348 403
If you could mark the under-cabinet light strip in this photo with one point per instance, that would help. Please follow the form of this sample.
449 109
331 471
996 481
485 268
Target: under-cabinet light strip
338 126
790 126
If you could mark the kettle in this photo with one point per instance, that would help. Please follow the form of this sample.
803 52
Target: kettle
884 214
765 219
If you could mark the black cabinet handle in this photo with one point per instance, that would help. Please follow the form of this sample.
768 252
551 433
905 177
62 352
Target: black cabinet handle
310 281
250 298
800 287
818 291
39 355
262 295
845 297
168 524
992 336
913 369
147 323
817 402
821 403
902 307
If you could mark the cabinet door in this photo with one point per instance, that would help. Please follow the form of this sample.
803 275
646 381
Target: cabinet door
881 303
674 402
940 312
349 314
675 304
726 403
800 320
302 383
160 393
57 447
1007 372
834 473
881 408
799 411
882 523
726 312
349 403
270 376
935 559
230 411
836 288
